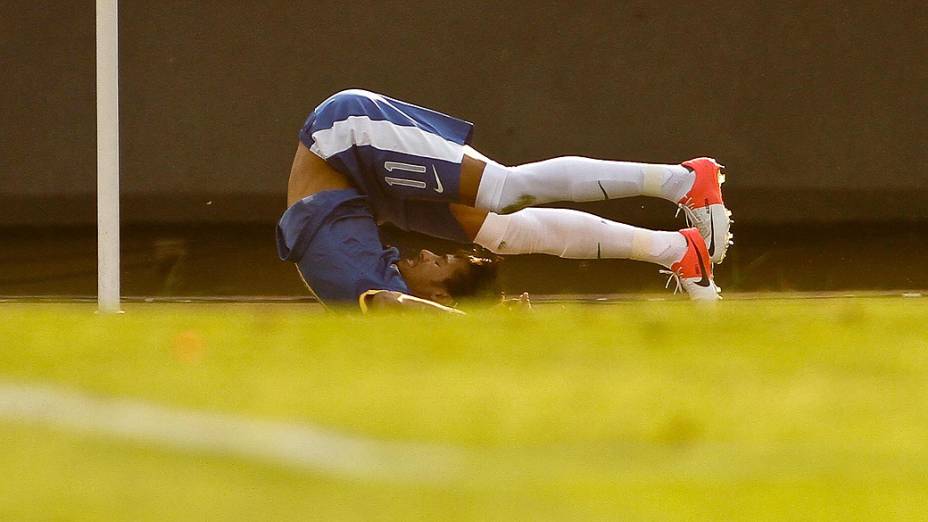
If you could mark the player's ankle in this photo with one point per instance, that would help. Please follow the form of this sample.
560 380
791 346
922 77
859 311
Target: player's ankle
675 250
678 184
662 248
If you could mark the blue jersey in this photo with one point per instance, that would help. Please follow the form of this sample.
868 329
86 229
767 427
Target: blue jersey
332 238
404 162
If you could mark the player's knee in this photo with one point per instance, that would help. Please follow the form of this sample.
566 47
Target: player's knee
516 233
492 234
493 182
560 232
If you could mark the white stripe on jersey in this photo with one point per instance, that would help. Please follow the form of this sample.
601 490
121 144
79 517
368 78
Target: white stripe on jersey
384 135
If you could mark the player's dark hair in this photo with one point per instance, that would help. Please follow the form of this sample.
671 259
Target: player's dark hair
479 280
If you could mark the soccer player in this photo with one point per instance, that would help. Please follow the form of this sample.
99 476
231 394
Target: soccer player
365 159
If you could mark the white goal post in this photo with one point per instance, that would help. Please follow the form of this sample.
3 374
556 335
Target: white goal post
107 53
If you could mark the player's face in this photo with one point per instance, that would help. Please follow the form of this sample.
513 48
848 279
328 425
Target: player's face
427 273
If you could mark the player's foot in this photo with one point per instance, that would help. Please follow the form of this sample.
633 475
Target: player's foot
693 271
704 208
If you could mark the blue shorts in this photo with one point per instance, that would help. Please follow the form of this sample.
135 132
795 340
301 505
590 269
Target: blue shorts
333 239
405 159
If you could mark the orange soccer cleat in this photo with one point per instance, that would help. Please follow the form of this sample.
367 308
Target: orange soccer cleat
693 271
704 208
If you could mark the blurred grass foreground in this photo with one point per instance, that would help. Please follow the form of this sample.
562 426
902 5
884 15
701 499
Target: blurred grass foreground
771 410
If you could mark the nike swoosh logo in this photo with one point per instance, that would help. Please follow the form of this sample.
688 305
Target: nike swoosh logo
439 188
705 282
712 228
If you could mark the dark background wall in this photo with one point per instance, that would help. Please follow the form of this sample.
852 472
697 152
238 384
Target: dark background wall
817 108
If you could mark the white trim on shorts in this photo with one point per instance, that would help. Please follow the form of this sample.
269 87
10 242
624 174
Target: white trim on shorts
383 135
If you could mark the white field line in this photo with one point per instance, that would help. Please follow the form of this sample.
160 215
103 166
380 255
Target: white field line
285 444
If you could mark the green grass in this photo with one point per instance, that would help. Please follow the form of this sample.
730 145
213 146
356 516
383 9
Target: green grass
754 410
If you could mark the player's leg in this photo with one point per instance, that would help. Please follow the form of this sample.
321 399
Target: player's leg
571 178
566 233
573 234
695 186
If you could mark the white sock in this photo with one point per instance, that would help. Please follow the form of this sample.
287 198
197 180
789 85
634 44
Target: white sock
577 235
571 178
